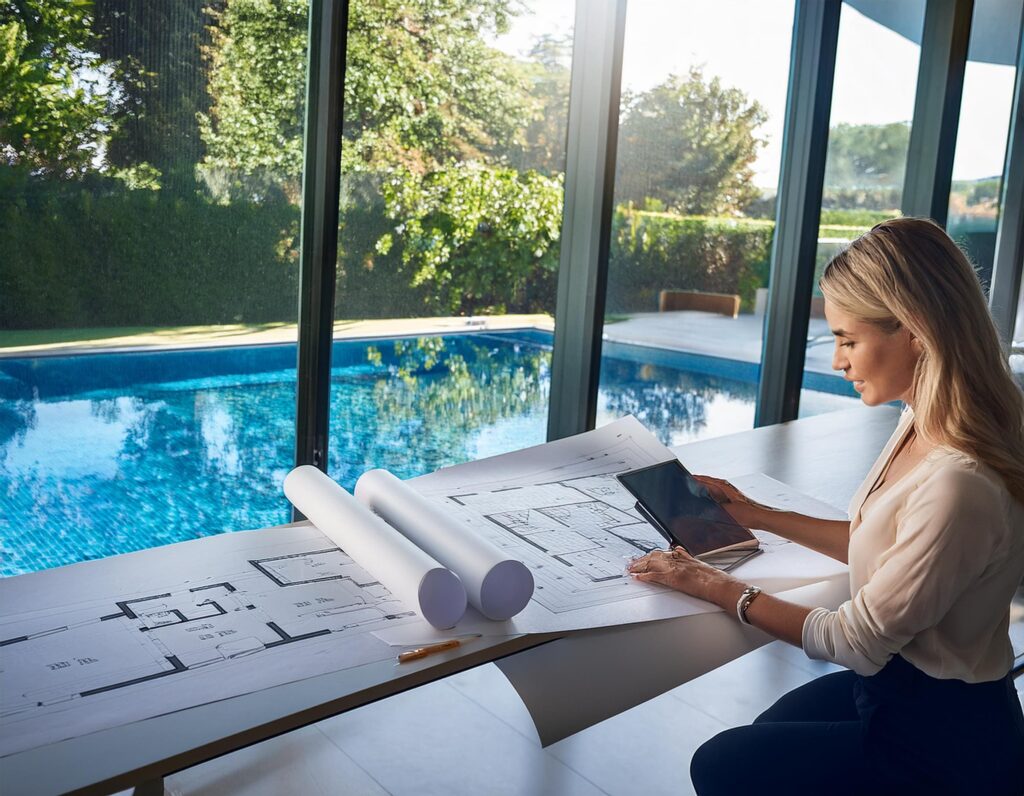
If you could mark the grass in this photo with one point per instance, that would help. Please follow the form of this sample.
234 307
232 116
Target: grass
41 338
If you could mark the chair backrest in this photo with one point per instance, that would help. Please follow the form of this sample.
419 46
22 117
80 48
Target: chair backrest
699 301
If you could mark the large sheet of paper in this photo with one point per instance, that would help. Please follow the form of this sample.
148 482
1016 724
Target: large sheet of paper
560 510
109 642
587 677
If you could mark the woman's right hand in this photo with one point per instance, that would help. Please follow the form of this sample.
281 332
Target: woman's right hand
748 513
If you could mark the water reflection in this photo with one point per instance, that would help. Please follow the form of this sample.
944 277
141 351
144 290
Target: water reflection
94 462
678 406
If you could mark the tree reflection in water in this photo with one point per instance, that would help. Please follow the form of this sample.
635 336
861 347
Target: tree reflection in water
672 403
430 399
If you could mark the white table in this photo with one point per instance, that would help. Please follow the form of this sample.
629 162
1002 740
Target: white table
825 456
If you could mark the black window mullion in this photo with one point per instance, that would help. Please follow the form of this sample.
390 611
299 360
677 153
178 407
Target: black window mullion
798 210
318 243
1009 256
592 134
940 81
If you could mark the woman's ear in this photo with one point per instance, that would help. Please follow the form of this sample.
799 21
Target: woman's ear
915 345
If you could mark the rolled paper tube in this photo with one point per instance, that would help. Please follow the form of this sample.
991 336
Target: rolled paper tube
411 574
496 585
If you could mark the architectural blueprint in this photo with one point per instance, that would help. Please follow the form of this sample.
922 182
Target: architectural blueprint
559 509
193 623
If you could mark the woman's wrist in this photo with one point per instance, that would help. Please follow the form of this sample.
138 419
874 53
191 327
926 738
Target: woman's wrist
727 592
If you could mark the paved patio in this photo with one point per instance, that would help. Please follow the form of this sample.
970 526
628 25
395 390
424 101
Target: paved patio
237 334
702 333
715 335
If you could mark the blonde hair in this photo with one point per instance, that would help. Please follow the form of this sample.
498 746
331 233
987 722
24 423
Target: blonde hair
908 273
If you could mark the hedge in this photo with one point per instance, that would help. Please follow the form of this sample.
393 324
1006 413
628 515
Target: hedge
652 251
93 253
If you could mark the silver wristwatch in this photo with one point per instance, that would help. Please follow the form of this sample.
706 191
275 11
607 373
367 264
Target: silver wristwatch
743 603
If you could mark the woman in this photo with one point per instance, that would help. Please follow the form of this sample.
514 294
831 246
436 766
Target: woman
935 545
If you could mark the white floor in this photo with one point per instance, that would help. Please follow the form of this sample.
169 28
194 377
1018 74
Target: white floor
470 734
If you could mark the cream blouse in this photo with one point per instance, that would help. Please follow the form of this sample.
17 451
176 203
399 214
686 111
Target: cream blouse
934 562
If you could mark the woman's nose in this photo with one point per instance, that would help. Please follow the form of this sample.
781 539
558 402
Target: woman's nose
838 358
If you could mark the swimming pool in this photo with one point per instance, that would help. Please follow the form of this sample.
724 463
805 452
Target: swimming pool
107 453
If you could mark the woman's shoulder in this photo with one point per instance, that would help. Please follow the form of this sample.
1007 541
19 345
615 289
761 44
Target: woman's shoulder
959 483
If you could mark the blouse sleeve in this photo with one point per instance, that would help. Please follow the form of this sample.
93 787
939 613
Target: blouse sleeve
946 535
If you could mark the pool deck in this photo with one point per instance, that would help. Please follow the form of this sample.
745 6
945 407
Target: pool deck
701 333
269 334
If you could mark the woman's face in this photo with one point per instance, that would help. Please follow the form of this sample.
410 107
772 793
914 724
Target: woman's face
880 365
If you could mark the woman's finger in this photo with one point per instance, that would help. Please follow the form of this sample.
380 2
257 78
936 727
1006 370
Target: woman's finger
719 490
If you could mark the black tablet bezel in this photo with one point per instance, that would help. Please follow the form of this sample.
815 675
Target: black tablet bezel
651 516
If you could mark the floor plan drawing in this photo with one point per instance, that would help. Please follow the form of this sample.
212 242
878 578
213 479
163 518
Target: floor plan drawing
572 534
169 641
560 510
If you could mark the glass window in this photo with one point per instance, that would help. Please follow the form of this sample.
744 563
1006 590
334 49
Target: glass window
453 159
981 137
700 135
869 132
149 206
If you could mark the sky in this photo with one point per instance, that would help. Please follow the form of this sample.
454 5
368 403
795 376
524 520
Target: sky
747 44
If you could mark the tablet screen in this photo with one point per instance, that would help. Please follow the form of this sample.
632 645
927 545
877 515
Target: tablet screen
677 502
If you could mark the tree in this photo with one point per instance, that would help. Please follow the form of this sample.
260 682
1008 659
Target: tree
421 86
155 52
867 155
690 143
431 114
52 97
481 237
257 91
546 76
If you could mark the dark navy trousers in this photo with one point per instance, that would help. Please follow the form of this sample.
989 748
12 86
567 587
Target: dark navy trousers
898 731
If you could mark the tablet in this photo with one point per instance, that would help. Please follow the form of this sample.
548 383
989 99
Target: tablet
675 503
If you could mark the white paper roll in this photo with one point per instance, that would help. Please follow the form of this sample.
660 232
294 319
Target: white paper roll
406 571
496 585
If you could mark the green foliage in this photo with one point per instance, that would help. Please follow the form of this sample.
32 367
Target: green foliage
51 100
481 238
155 53
257 85
655 251
92 252
865 156
854 218
451 162
422 87
540 146
878 200
691 143
978 193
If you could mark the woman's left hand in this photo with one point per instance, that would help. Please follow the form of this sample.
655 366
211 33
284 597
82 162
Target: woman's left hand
678 570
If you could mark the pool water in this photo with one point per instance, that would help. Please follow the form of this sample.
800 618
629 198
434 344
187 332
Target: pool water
107 453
